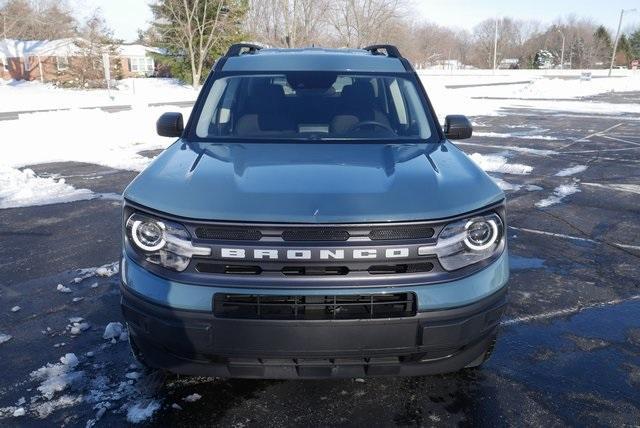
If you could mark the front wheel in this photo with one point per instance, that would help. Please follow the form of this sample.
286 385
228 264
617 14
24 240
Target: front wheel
484 357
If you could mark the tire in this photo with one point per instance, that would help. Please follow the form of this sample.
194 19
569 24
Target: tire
485 355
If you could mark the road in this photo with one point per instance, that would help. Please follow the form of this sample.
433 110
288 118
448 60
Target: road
569 346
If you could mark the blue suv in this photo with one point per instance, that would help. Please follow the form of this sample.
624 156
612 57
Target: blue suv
313 220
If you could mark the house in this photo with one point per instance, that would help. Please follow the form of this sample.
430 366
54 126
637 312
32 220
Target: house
137 60
35 59
53 60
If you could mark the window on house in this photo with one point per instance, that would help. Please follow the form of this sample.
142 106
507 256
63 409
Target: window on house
62 62
141 64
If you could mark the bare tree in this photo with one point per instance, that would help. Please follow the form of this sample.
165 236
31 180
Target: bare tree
360 22
290 23
36 20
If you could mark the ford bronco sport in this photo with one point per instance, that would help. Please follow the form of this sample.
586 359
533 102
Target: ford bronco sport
313 220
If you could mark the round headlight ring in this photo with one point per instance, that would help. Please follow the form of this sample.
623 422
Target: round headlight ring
146 246
493 237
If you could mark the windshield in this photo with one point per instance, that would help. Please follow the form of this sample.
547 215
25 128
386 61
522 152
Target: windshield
313 105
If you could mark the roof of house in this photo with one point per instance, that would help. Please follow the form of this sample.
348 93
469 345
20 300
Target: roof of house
137 50
310 59
11 48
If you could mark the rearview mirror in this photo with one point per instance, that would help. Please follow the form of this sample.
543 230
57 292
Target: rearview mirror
457 127
170 125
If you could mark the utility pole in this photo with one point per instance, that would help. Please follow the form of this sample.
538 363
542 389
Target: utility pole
495 48
562 54
615 44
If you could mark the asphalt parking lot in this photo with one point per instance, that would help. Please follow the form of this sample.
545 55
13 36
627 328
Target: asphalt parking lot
568 351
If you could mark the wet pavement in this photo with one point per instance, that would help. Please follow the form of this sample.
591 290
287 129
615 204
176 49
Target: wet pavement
569 346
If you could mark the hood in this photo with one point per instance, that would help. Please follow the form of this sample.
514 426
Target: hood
313 182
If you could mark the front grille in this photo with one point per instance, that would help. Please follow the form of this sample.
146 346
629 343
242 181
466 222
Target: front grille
314 233
228 233
313 270
331 307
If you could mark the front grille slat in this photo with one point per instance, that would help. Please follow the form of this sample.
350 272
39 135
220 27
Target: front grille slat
315 234
372 306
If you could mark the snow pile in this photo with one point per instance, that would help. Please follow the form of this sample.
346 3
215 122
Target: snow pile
37 96
538 91
559 193
104 271
5 337
92 136
78 327
61 288
571 171
142 410
57 377
524 136
25 188
113 330
497 163
15 309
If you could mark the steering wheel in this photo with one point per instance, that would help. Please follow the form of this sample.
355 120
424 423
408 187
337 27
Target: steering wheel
370 123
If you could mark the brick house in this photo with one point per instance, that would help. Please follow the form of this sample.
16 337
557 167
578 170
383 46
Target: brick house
51 60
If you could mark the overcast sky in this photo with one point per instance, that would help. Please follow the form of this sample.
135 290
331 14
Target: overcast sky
126 16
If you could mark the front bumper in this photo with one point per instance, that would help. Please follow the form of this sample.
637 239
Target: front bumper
195 342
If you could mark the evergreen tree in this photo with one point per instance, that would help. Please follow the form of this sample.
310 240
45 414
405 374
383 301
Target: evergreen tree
194 33
634 44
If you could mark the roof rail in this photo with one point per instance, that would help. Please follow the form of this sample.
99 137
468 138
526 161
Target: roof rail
391 50
242 48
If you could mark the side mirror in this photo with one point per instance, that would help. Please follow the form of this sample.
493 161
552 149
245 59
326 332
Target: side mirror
457 127
170 125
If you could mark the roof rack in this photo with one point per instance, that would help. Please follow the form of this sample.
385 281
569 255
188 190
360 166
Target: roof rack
391 50
242 49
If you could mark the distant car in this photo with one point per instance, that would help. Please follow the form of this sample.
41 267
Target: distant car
313 220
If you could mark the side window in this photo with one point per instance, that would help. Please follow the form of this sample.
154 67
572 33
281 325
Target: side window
398 103
62 63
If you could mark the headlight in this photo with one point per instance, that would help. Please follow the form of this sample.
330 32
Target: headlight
162 242
465 242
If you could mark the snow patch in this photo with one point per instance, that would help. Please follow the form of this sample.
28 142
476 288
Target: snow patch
57 377
192 398
5 337
15 308
497 163
142 410
104 271
571 171
61 288
505 185
24 188
112 330
559 193
515 135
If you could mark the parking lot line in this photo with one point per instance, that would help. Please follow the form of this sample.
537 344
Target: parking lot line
599 133
566 311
